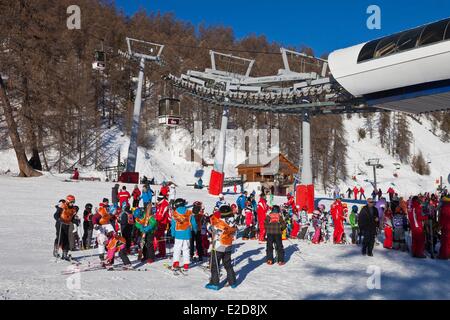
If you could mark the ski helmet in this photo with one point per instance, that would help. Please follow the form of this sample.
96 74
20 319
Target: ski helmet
179 203
321 207
197 207
355 208
225 211
70 198
88 206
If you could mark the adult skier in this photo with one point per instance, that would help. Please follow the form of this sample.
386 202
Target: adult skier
337 214
65 212
261 212
416 220
355 192
163 219
221 201
362 193
136 194
274 225
368 224
444 223
183 222
223 229
146 196
126 225
114 193
123 196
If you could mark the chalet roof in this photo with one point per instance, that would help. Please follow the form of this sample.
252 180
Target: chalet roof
245 164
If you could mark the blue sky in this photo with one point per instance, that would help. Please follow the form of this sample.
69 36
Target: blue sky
323 25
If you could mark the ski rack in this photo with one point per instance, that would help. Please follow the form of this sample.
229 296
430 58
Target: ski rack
287 92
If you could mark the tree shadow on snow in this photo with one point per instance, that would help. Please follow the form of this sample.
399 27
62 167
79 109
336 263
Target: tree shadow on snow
428 279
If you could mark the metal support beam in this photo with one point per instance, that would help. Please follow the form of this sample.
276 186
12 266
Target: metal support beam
132 149
305 165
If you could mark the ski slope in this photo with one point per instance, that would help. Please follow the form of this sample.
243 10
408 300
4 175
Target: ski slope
29 271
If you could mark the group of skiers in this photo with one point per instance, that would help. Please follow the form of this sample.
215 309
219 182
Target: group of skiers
124 226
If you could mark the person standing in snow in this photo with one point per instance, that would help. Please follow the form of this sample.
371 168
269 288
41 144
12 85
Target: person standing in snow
126 226
274 225
388 228
221 201
88 227
304 223
249 231
183 222
146 196
136 194
444 223
362 193
400 225
355 192
76 174
317 225
164 189
196 237
353 218
337 214
223 229
114 195
116 243
163 219
368 224
147 225
65 212
241 203
391 193
262 210
349 193
172 193
123 196
416 220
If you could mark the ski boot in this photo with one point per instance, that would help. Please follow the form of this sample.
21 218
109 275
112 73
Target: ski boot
269 262
66 256
102 260
127 267
212 287
186 267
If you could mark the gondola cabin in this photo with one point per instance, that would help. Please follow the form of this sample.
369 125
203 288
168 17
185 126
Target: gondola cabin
100 61
169 112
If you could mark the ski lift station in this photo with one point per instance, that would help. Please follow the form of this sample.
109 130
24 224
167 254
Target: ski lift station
407 72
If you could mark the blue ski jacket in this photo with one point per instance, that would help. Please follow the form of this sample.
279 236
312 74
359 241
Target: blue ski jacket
183 234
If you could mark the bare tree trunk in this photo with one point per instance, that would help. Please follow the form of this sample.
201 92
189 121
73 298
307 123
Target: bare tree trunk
25 169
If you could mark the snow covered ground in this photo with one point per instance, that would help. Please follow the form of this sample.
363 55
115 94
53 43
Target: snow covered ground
28 270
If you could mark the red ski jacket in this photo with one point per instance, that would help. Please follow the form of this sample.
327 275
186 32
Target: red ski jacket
123 196
162 212
415 217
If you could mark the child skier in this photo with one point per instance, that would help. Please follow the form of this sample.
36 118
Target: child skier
223 229
146 224
274 225
317 225
88 227
388 226
304 223
249 231
353 219
183 222
116 243
400 225
196 236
